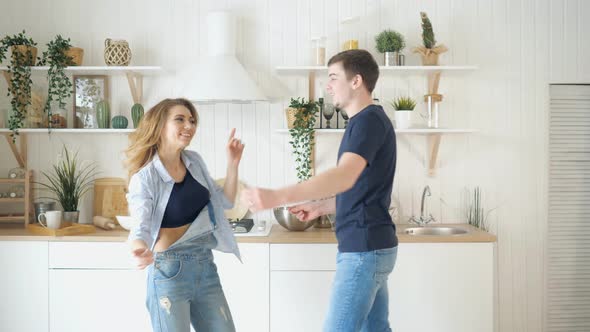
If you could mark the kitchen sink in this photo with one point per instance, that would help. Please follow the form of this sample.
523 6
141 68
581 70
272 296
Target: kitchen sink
435 231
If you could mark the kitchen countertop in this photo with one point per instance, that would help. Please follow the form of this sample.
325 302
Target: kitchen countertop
277 234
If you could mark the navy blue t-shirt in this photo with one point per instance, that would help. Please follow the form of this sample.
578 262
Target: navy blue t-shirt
362 219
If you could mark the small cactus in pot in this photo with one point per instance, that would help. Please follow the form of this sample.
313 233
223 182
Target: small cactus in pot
120 122
136 114
103 114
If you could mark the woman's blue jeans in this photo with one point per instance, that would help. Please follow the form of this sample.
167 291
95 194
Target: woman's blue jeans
360 299
184 289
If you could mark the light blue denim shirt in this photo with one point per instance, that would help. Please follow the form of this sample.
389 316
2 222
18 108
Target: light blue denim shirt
148 194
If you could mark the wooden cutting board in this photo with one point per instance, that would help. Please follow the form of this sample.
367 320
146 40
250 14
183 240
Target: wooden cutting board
109 197
66 228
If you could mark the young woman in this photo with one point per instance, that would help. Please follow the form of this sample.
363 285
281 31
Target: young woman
180 212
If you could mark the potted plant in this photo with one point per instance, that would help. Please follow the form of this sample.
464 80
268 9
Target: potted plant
403 110
430 51
23 55
57 57
390 43
475 213
69 181
301 115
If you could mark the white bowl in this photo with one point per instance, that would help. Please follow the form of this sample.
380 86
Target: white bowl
126 222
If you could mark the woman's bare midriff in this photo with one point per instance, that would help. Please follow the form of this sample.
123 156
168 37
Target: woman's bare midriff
168 236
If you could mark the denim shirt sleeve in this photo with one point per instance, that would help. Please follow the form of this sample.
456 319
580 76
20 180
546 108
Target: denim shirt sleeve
141 205
218 190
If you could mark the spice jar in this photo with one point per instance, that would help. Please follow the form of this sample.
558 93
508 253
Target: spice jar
318 51
350 29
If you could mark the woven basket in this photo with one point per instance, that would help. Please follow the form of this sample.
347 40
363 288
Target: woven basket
290 112
77 54
116 52
29 61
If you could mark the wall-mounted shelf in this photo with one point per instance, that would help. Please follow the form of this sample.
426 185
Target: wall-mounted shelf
433 136
11 200
68 131
433 72
415 131
102 70
134 75
26 200
12 218
305 70
12 180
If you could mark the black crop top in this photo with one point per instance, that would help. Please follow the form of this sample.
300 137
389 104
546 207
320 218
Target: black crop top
186 201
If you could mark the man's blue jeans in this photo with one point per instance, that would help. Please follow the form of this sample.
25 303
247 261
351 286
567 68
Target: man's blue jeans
360 300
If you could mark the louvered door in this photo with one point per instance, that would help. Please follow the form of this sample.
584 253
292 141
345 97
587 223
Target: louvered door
568 251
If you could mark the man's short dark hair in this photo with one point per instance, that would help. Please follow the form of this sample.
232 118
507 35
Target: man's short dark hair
359 62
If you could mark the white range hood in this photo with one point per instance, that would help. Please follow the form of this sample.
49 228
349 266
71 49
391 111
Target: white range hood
218 76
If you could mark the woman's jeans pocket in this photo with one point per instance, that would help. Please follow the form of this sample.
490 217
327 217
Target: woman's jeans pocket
166 269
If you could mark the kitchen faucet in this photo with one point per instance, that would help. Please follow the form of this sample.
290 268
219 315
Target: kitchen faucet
423 220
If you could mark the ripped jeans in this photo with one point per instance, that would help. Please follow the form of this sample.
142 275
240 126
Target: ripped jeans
184 289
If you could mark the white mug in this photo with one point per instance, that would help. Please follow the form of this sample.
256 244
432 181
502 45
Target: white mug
52 219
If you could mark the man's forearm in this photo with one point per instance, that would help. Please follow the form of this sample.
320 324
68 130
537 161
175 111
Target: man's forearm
328 206
329 183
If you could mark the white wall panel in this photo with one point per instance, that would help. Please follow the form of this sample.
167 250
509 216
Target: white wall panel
519 46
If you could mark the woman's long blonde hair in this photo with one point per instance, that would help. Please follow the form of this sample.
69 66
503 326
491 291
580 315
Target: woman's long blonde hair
146 139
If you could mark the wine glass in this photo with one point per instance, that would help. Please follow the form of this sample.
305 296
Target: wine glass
328 113
345 117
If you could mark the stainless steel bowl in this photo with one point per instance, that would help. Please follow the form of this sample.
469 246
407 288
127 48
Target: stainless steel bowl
290 221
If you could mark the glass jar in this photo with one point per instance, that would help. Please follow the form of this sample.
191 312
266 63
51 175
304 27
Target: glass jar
432 102
350 31
318 49
59 117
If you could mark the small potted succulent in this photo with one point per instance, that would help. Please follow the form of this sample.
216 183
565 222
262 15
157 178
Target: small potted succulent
403 111
430 51
23 56
390 43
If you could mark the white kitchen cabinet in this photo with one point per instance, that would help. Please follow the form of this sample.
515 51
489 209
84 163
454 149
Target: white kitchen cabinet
94 287
300 284
443 287
23 286
97 300
299 300
435 287
246 286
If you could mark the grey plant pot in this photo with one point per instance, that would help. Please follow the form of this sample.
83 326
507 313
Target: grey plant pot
390 58
71 216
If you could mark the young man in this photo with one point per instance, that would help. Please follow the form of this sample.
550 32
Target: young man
362 182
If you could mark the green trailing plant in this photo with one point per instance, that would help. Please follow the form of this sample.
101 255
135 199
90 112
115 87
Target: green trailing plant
476 214
403 104
19 70
427 32
302 135
390 41
60 87
69 180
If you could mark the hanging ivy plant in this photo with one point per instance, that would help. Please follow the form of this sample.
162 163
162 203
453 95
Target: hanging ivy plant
302 135
60 87
19 70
